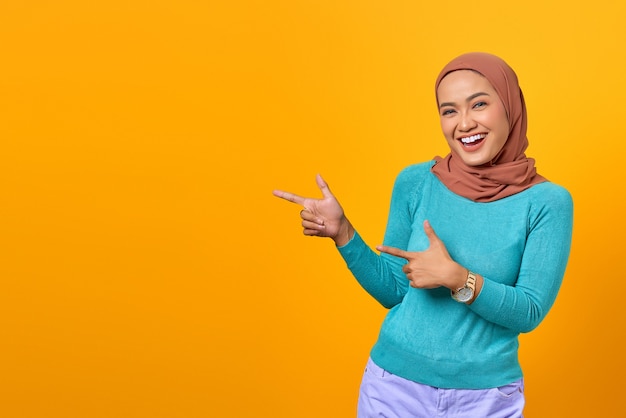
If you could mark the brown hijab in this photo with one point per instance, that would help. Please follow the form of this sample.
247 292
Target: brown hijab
510 171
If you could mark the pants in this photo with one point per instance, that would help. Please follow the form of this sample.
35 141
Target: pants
384 395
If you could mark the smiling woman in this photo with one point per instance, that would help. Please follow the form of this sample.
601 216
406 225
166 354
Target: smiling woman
483 118
459 297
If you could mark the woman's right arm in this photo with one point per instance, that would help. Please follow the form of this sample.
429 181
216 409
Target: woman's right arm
381 276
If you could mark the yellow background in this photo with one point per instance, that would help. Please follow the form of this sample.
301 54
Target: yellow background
147 271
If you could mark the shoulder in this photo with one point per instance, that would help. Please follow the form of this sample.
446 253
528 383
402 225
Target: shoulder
551 195
550 203
410 182
411 179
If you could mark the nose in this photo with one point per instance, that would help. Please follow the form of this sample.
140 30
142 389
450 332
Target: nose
466 122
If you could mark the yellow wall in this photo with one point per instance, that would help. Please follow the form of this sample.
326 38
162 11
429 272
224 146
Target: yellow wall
147 271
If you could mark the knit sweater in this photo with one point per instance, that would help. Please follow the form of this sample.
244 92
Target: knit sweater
519 244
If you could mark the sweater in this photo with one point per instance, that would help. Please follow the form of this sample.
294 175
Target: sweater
519 244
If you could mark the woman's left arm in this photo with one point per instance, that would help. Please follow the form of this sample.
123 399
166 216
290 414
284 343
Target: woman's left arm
523 306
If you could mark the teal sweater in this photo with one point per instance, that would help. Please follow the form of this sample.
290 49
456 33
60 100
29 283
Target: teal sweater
519 244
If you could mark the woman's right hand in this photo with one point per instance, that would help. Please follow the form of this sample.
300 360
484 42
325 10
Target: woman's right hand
321 217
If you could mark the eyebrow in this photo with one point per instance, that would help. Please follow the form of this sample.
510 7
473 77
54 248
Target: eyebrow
469 99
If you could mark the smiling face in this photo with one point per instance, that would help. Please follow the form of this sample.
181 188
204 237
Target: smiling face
473 118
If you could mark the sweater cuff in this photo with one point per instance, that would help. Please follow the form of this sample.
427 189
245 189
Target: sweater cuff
489 293
351 247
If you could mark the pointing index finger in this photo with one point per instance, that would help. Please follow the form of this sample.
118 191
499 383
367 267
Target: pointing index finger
294 198
394 251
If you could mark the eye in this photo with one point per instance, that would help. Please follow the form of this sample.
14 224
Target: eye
447 112
479 105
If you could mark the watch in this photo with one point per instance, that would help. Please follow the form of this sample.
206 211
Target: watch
465 293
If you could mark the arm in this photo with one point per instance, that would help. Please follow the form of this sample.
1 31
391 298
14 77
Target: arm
523 306
382 277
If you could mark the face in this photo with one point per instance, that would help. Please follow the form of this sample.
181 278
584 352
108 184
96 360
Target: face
473 118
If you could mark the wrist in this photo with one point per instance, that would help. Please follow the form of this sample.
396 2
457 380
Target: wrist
458 278
467 292
344 233
479 285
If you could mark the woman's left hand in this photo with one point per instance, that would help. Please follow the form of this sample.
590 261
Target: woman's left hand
431 268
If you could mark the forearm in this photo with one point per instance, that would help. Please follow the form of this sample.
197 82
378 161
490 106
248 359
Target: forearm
380 276
510 307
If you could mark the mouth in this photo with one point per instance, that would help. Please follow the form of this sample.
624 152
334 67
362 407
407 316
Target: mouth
472 140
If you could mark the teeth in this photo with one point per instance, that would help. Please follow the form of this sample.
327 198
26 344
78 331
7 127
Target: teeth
473 138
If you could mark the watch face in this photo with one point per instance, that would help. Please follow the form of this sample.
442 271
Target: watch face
464 294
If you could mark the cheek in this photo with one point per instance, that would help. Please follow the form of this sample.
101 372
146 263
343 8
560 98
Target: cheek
504 129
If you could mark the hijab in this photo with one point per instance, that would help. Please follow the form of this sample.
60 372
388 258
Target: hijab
510 171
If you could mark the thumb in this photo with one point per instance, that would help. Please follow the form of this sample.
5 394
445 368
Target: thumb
323 186
430 233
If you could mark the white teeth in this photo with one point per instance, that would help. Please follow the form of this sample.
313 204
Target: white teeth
473 138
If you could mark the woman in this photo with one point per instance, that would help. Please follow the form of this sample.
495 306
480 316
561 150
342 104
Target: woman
474 253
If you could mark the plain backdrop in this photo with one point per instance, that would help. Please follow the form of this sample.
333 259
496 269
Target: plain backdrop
146 270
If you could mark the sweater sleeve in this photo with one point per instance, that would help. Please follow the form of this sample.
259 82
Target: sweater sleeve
523 306
381 275
374 273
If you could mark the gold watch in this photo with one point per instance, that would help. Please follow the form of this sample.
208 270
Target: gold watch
465 293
